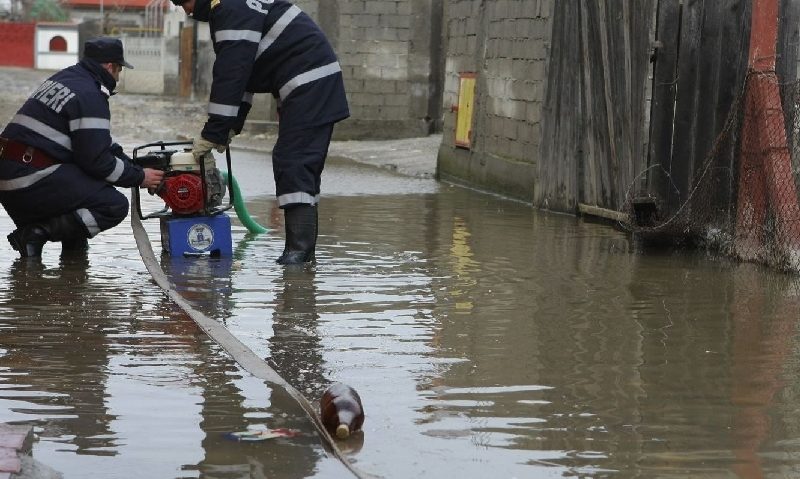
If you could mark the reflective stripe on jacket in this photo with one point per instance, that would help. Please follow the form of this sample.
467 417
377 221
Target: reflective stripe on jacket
266 46
68 118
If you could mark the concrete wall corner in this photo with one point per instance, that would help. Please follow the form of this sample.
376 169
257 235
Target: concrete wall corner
506 176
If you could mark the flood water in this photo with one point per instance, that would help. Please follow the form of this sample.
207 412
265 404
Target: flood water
486 339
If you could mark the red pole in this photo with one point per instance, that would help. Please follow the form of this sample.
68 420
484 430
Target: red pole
763 35
765 163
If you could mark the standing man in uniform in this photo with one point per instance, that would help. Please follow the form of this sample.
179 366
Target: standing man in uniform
58 164
271 46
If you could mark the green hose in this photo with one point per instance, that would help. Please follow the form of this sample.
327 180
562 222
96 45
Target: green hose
241 210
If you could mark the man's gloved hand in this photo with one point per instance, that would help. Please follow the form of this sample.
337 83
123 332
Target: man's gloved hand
201 146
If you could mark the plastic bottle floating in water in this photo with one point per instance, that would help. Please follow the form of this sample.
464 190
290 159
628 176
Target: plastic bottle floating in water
260 434
341 410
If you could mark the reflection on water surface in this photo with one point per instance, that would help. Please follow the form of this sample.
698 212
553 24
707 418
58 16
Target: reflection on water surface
485 338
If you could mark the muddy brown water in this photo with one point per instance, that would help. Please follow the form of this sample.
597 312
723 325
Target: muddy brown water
485 338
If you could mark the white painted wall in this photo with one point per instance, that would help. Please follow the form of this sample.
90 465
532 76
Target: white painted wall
47 60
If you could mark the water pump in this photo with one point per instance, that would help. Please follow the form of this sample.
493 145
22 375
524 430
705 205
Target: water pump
189 187
191 220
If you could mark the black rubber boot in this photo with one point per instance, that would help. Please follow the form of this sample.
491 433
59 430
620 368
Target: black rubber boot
65 228
75 245
301 234
30 239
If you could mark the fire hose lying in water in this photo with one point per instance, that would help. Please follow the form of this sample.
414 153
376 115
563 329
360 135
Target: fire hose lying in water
240 353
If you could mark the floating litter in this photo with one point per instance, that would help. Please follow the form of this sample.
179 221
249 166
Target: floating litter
261 434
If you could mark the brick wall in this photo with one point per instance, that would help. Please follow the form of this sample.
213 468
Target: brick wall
391 57
506 42
391 54
388 52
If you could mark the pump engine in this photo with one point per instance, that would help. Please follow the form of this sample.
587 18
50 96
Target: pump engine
187 188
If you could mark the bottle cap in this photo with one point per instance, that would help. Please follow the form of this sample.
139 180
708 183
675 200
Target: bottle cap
342 431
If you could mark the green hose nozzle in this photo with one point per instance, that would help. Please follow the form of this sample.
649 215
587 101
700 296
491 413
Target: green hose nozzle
238 206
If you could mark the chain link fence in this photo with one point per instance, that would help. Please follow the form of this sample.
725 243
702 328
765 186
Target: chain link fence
743 200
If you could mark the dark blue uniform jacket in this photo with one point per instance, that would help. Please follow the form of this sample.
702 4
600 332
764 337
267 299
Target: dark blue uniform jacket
271 46
68 118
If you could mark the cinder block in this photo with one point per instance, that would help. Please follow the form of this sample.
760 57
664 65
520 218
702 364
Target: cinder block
17 437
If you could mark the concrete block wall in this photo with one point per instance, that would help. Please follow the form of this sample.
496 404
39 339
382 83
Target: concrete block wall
392 58
388 52
374 54
506 42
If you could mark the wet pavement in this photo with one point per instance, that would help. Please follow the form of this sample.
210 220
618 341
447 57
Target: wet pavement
486 339
141 119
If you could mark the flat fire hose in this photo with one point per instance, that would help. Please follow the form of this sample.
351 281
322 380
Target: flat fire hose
243 355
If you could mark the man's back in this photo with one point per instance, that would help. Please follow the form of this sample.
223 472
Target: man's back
273 48
61 105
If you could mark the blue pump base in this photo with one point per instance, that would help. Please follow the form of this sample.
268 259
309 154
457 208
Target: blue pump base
197 235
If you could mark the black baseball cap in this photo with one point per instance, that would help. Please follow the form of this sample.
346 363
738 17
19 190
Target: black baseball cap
105 50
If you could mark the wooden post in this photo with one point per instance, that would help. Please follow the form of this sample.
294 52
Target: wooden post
186 62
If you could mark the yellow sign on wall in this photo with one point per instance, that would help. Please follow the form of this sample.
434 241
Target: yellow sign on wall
466 99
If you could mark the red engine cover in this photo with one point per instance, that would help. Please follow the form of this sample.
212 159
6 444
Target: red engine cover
183 193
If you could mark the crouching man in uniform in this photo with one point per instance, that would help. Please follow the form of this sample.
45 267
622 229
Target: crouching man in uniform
58 163
271 46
